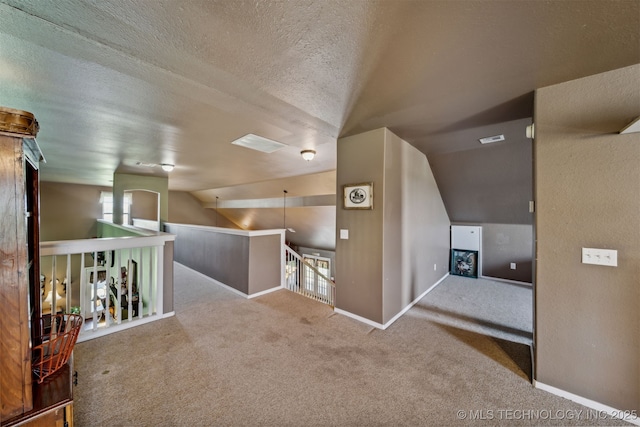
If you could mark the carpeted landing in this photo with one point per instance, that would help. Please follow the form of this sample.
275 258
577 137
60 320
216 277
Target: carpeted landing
284 360
499 309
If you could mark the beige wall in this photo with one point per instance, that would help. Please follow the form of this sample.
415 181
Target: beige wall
185 208
128 182
587 193
394 260
69 211
388 259
145 205
359 259
265 263
425 227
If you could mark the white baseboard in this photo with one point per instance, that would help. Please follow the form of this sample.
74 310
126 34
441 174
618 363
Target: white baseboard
430 289
514 282
101 332
397 316
268 291
359 318
628 416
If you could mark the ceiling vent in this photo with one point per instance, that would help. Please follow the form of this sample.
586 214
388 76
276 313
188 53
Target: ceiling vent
490 139
146 164
259 143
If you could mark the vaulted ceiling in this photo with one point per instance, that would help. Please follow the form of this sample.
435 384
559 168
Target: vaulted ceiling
118 82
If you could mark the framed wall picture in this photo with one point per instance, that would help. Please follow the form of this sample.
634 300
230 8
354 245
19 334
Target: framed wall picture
464 263
358 196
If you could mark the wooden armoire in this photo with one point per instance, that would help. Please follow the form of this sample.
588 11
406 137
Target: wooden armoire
22 400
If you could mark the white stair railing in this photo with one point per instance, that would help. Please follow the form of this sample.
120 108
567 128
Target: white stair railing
114 283
305 279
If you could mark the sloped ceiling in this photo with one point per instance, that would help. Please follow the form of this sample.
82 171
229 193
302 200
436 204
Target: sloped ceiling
117 82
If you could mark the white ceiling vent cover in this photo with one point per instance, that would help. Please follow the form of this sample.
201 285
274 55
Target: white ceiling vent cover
259 143
490 139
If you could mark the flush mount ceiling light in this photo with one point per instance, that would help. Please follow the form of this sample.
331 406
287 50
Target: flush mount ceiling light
167 167
258 143
490 139
308 154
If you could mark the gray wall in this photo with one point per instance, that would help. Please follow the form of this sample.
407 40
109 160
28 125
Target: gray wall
587 188
491 186
167 291
249 264
503 244
389 257
223 257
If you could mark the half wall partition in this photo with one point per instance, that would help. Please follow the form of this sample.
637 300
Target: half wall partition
249 263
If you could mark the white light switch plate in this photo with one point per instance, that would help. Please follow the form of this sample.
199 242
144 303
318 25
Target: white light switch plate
344 234
600 256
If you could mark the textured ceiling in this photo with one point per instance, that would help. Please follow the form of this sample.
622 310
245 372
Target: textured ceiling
115 82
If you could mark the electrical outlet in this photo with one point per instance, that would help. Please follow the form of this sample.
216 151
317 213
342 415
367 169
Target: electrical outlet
513 265
435 267
607 257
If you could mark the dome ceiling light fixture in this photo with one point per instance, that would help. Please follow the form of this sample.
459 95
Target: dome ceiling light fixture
167 167
308 154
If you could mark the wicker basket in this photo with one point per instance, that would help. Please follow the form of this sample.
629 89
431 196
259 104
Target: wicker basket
18 121
57 345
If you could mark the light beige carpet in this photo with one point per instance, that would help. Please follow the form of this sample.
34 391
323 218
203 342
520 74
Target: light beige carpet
284 360
489 307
